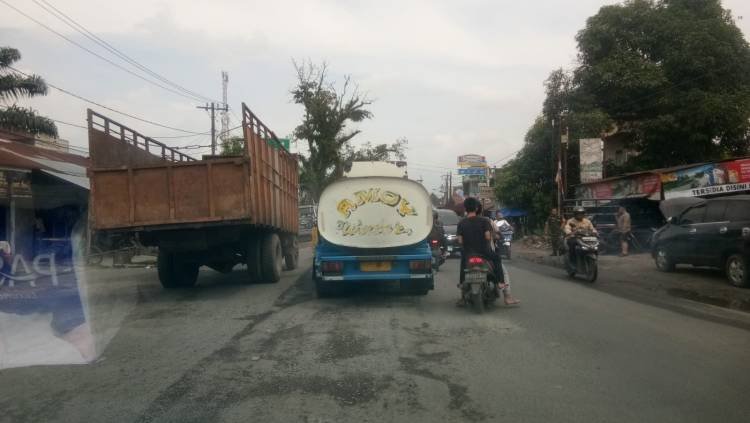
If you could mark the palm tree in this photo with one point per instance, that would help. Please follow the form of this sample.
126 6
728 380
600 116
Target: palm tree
12 87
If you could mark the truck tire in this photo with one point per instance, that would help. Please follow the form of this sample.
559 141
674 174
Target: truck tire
271 259
252 259
291 256
175 273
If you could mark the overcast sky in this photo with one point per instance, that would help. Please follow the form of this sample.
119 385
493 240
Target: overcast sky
453 77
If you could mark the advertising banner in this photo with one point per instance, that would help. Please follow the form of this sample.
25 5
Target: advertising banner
592 158
646 185
714 178
472 160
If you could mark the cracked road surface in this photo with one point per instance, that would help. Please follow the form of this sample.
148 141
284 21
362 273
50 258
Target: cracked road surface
230 352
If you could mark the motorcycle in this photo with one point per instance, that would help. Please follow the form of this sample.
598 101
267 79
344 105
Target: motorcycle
479 288
586 253
438 254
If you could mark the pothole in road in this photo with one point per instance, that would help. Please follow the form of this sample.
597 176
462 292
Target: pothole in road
349 390
343 344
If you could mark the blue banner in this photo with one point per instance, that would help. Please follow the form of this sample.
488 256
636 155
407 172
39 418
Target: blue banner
472 171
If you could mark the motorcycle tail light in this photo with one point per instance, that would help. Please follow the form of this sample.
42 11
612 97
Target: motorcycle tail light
476 261
433 242
332 266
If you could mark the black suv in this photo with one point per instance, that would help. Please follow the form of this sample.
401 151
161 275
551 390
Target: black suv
714 233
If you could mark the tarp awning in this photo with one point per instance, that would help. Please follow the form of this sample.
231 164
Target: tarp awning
81 181
68 167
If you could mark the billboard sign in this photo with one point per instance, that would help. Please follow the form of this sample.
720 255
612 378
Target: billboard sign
471 160
592 158
714 178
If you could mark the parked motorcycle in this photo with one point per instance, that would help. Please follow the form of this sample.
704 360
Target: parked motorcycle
438 254
480 283
586 253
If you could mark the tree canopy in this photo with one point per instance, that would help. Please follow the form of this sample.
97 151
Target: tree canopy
328 112
14 86
673 74
232 146
671 77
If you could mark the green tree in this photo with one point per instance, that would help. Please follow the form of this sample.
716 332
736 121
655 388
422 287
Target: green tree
378 152
528 181
14 86
522 182
328 111
232 146
674 75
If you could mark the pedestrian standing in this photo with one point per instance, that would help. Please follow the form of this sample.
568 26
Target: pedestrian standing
623 228
553 230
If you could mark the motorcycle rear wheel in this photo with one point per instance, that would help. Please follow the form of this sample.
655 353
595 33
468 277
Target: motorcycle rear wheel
477 303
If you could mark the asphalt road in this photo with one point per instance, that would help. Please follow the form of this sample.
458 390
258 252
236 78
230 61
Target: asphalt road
225 351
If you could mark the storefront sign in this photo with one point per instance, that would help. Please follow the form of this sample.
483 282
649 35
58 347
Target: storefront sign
592 158
646 185
15 184
710 179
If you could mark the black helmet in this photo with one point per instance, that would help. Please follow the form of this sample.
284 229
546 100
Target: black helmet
579 210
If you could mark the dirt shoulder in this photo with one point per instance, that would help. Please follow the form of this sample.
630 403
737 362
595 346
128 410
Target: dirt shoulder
704 289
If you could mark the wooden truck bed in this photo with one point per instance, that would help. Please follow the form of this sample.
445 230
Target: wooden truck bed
140 183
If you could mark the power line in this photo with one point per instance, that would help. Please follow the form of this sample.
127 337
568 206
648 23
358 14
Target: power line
150 122
507 157
192 98
93 37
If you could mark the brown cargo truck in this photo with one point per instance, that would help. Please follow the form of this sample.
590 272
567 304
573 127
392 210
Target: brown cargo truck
217 212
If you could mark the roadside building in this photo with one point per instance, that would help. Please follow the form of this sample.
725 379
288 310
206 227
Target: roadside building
43 194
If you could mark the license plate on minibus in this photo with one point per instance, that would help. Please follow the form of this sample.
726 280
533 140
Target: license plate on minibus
375 266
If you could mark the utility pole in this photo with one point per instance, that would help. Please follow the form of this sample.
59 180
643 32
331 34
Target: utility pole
225 114
213 107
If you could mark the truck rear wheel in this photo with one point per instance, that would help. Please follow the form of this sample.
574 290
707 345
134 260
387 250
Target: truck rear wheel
176 273
291 256
271 258
252 259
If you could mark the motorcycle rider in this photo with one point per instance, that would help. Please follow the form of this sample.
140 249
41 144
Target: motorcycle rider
437 232
502 224
579 222
475 233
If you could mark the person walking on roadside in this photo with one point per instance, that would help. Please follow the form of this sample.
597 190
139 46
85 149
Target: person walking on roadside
553 230
623 229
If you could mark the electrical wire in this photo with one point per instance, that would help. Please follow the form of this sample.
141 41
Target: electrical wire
192 98
72 23
150 122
